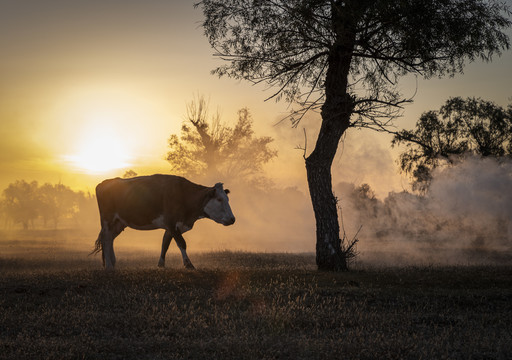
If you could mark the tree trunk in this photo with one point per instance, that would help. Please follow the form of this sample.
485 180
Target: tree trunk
329 255
336 112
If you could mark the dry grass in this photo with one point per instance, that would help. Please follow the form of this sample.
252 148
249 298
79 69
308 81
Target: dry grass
249 306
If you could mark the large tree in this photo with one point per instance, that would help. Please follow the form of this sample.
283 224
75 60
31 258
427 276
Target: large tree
208 149
345 59
459 127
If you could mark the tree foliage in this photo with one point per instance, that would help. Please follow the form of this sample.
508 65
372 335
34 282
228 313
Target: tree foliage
209 149
57 201
25 202
459 127
21 202
289 44
129 174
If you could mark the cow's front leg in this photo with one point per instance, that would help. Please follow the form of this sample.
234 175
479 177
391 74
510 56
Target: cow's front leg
165 246
182 245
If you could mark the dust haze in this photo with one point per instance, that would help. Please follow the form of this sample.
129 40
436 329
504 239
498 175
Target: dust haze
464 219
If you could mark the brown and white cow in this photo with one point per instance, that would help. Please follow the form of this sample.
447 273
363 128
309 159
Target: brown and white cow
152 202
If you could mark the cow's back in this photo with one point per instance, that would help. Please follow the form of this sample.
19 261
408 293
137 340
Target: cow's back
139 201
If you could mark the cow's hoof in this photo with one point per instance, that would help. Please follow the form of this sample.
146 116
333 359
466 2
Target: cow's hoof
161 264
188 265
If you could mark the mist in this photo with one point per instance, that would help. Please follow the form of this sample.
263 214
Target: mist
464 219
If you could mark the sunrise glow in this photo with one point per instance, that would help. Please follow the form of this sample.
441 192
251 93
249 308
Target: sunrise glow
100 150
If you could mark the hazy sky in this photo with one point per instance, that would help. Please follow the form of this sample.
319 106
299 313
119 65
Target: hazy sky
79 74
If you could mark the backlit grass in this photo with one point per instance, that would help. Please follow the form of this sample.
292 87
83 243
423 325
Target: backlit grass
251 306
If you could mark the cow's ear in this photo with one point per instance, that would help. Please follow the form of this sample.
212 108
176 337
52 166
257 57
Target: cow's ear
226 191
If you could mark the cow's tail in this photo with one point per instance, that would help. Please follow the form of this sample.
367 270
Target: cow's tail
98 245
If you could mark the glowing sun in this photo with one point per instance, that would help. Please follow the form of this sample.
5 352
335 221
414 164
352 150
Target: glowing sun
100 151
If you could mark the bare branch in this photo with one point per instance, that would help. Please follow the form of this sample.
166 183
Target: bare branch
304 149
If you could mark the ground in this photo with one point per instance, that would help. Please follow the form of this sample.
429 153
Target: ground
62 305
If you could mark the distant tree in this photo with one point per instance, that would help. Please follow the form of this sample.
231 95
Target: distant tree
129 174
345 57
361 199
22 202
55 202
211 150
25 202
461 126
87 214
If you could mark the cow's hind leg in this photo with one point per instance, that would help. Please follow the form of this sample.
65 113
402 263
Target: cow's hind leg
107 246
182 245
99 244
165 246
112 231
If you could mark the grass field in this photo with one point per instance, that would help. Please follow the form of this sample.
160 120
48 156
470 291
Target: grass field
62 305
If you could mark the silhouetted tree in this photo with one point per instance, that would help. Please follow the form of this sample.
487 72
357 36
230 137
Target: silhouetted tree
344 57
55 202
461 126
129 173
22 202
25 202
210 150
87 214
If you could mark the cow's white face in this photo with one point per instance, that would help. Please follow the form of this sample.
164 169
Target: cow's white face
217 208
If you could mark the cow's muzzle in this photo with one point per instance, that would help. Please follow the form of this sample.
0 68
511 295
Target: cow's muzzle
230 221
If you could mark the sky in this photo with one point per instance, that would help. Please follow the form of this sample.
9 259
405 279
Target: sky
84 76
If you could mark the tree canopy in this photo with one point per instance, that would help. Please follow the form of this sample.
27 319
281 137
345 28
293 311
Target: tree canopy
459 127
209 149
289 45
24 202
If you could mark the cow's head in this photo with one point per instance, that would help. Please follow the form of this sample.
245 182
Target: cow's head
217 206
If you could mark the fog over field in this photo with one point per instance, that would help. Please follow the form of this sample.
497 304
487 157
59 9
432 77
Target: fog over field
464 219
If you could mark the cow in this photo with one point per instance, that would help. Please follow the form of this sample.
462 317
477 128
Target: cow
167 202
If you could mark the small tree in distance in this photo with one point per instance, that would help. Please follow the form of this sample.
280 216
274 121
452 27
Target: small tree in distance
25 202
461 126
22 202
56 202
129 174
209 150
344 58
